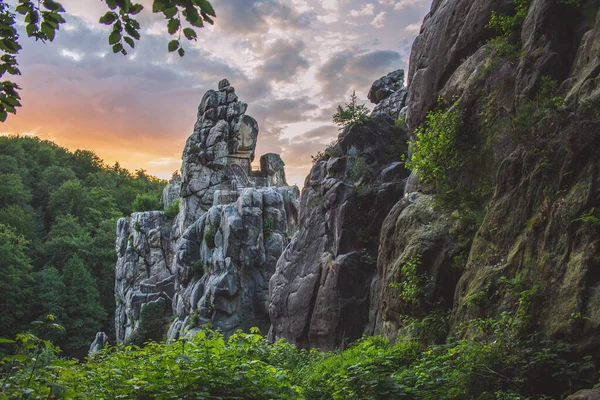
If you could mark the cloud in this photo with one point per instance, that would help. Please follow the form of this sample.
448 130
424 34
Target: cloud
402 4
291 66
379 20
413 28
240 17
354 69
328 18
366 10
284 60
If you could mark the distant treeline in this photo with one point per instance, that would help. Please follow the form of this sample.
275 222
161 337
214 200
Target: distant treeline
58 212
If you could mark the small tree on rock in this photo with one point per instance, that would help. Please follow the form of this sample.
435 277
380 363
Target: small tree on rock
351 113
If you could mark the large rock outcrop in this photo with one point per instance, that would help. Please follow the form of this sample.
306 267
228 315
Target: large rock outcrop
213 261
532 159
319 294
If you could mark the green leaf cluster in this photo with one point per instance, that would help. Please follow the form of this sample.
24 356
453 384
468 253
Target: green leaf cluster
507 363
434 152
351 113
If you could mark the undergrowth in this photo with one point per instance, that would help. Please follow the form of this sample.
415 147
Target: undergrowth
508 362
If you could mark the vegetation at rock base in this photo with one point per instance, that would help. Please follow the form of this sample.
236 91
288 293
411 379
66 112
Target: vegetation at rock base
351 113
58 212
509 362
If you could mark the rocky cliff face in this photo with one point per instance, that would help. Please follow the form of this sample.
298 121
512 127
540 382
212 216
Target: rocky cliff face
530 142
213 261
319 294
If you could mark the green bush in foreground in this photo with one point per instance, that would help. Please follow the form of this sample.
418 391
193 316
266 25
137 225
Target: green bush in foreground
507 364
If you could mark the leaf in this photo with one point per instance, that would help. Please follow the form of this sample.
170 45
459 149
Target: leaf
4 340
112 4
207 19
31 29
136 9
115 37
173 45
206 7
117 48
3 115
190 33
173 25
170 12
53 6
109 18
132 32
55 17
181 52
23 8
48 30
129 41
158 6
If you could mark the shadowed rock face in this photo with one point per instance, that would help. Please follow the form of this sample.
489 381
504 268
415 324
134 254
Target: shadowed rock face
319 294
213 262
540 185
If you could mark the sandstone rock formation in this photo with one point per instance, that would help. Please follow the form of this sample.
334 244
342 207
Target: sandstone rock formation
319 294
213 262
535 221
389 94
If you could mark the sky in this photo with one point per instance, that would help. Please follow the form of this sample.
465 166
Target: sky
292 61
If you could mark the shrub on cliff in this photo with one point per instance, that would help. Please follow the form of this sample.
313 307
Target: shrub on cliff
351 113
434 150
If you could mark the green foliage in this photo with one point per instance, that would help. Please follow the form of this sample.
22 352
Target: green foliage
507 25
533 116
172 209
401 123
508 42
358 168
351 113
42 20
332 150
505 365
268 227
434 152
83 312
61 204
589 218
203 367
152 323
146 202
16 281
413 284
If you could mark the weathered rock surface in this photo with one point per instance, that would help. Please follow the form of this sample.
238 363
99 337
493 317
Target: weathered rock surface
389 94
319 294
586 394
414 229
99 342
142 273
223 135
539 224
214 261
172 190
225 260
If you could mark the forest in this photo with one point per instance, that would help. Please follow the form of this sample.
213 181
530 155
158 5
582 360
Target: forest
58 212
